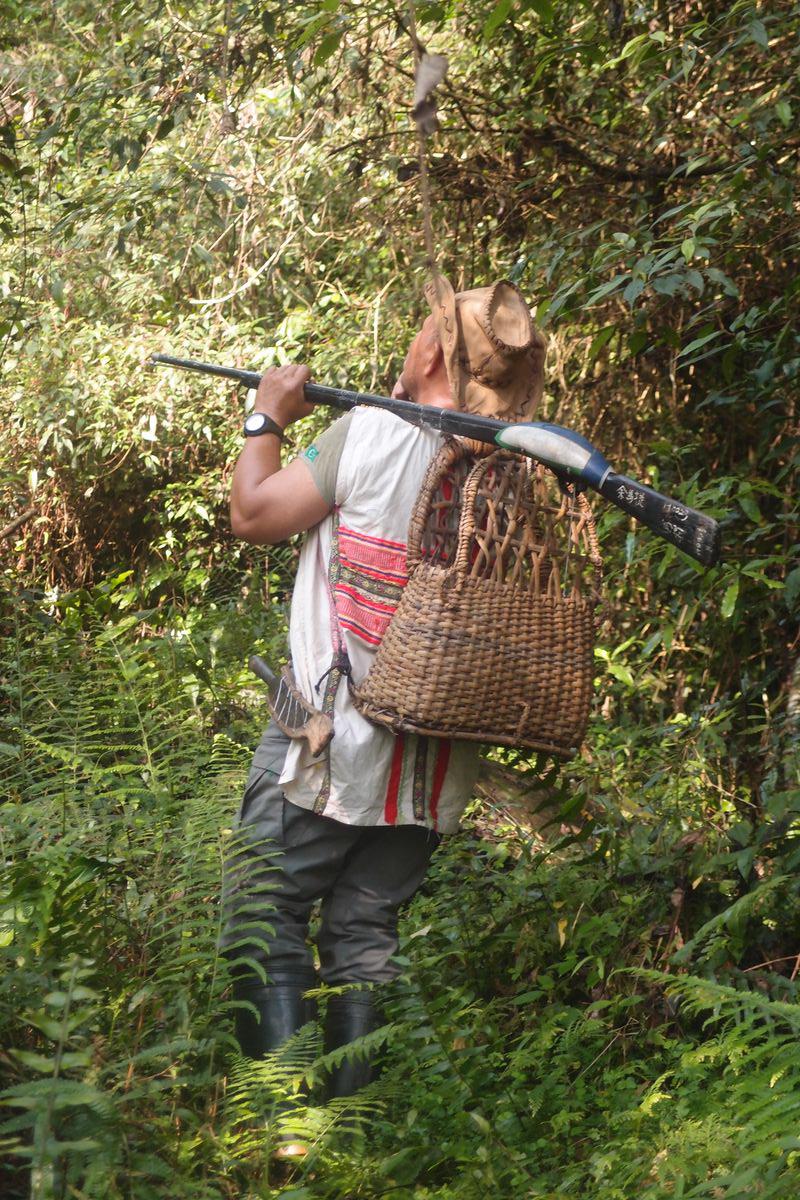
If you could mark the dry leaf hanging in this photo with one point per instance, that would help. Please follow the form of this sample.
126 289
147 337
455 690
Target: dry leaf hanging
430 73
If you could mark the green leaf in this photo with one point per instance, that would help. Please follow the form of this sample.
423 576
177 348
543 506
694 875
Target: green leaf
57 289
784 110
219 187
729 600
721 278
203 254
496 17
750 508
651 643
50 1026
791 593
481 1122
543 7
57 999
694 164
605 289
667 285
602 339
758 34
622 673
630 48
35 1062
45 135
687 248
698 342
633 291
744 860
314 24
328 46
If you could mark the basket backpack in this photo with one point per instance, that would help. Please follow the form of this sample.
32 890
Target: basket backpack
493 638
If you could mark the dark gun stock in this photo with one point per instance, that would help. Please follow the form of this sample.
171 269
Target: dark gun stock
689 530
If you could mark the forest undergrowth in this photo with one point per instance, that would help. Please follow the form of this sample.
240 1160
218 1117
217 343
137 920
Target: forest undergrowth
599 997
595 1009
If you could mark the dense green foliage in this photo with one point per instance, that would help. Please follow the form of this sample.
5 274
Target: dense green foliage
606 1008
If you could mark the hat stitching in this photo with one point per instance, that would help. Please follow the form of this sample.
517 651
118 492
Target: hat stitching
445 318
480 369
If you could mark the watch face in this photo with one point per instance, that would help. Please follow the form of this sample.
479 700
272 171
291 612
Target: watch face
254 423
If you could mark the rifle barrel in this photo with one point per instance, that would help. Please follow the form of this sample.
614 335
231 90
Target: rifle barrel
482 429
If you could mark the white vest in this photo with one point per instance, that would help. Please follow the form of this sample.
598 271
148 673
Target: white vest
349 581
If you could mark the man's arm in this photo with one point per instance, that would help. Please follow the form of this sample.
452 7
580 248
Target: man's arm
270 503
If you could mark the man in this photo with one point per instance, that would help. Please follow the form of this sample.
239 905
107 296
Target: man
356 828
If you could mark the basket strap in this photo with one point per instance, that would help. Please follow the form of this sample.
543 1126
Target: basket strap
341 659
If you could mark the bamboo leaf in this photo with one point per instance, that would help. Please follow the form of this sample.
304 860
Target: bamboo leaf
496 17
729 599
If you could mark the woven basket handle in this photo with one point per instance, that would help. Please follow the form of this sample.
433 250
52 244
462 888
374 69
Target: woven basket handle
466 525
594 555
468 522
452 452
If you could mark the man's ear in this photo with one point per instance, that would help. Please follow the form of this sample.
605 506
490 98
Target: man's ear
434 357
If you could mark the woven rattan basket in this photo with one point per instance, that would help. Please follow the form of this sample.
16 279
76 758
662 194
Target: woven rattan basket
493 638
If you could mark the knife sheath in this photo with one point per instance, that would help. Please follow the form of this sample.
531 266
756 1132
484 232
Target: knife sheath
290 710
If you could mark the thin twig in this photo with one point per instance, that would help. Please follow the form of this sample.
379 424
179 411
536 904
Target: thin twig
771 961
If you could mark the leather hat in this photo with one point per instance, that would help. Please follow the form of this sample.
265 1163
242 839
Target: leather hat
493 352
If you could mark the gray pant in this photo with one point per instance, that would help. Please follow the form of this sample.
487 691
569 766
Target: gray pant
285 858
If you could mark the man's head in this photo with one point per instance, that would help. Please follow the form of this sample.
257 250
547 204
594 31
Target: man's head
478 351
423 378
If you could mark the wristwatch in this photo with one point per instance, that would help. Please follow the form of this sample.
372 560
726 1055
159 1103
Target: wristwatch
258 423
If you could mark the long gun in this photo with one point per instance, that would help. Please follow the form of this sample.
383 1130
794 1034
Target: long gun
568 454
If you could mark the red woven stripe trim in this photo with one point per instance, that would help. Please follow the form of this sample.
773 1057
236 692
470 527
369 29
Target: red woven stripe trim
386 559
439 773
375 563
359 632
367 601
368 537
393 790
373 622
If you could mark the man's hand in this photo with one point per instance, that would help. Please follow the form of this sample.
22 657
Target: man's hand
280 394
269 504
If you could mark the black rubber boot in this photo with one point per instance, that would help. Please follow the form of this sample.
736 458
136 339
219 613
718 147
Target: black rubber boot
349 1017
282 1010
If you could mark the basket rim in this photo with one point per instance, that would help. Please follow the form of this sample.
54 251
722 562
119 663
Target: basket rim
407 725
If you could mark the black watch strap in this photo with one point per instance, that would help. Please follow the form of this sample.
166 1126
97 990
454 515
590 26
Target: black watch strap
258 423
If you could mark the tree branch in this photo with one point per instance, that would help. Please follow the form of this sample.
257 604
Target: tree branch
12 526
